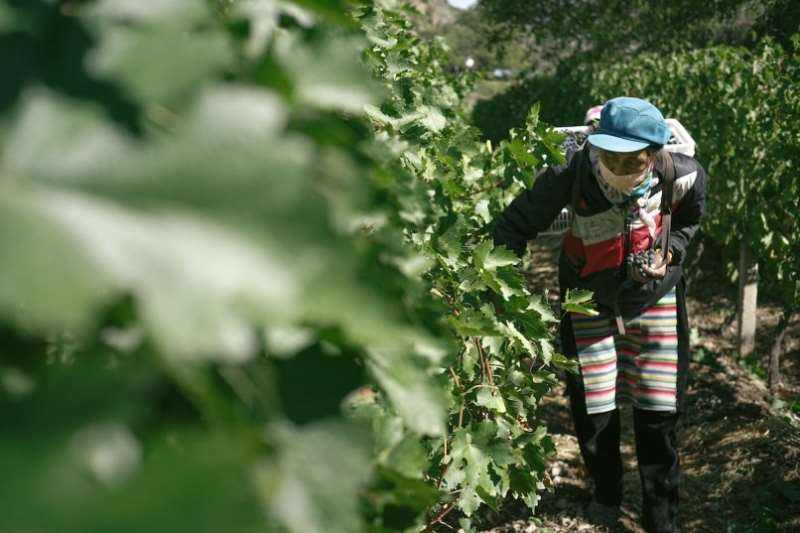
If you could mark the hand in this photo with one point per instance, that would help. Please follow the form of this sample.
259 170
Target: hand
658 273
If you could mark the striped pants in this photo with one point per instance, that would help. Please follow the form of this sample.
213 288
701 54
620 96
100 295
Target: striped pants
639 366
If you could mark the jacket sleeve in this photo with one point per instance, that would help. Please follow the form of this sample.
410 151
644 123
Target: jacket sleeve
686 217
534 209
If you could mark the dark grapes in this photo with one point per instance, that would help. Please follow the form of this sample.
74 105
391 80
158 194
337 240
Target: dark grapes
637 261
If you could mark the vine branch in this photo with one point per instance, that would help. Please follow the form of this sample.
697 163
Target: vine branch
485 367
438 517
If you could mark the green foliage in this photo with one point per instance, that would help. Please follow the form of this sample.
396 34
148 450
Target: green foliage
617 28
217 275
447 186
179 185
742 108
571 42
564 97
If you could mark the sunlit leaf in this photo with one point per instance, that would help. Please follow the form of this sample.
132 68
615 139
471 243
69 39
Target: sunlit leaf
491 399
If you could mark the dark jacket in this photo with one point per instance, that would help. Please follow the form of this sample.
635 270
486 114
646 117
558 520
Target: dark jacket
600 266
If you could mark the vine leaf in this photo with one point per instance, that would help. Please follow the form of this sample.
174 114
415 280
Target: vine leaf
538 304
491 399
488 257
579 301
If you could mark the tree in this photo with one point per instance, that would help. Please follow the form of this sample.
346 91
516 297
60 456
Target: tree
567 43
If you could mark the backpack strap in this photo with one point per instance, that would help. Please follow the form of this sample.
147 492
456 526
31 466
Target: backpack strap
667 191
667 194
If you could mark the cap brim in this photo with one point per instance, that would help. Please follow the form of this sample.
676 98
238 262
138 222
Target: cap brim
616 144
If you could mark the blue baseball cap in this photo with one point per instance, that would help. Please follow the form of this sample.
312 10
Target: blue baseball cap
628 125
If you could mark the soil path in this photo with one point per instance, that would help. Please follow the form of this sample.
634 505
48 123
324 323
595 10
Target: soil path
740 460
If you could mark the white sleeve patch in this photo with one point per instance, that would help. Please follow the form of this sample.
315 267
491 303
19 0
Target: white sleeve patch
683 185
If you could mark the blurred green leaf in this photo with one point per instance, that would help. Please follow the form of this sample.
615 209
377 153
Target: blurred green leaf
313 483
329 74
199 285
408 457
188 49
109 461
415 397
45 283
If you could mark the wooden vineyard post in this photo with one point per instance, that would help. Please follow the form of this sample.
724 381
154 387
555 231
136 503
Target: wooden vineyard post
748 296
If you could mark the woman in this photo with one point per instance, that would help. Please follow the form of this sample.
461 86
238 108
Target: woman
636 349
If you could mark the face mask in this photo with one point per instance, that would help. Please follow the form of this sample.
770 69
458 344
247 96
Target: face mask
624 183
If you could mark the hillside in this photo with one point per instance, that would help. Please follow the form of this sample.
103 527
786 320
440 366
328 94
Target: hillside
437 14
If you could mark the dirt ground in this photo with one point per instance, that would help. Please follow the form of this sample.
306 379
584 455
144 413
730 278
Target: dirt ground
740 457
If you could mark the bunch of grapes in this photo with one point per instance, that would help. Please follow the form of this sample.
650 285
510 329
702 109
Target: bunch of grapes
637 261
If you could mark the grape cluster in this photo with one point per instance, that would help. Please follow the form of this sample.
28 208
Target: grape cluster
637 261
572 143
